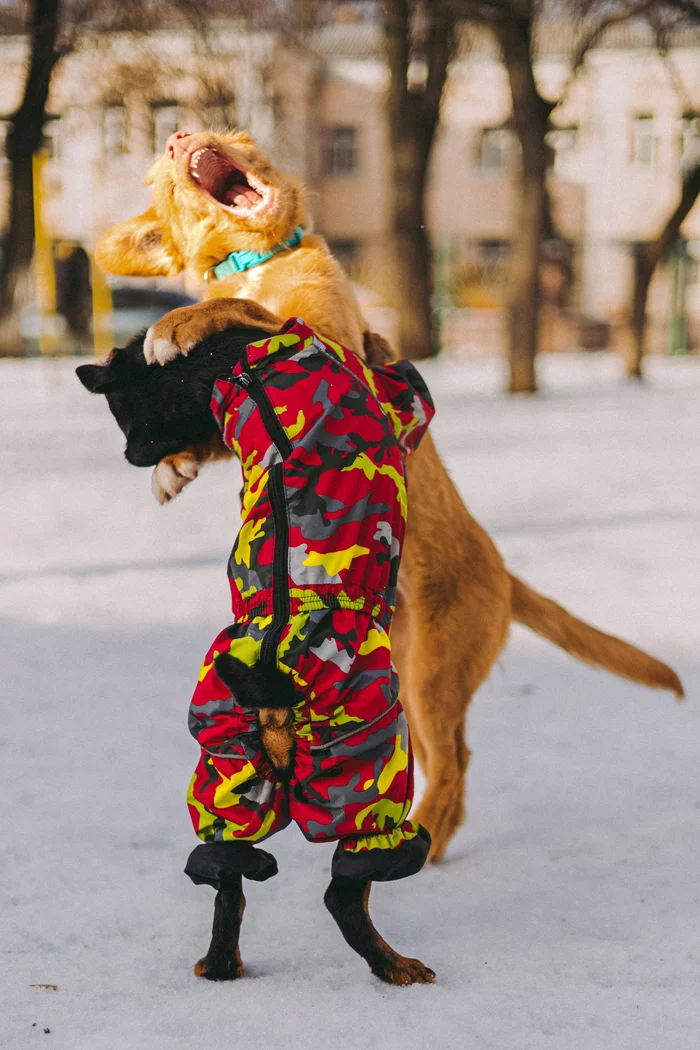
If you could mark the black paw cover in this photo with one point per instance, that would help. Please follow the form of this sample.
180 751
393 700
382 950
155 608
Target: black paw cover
209 862
383 865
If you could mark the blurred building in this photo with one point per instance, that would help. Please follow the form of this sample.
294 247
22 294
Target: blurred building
628 127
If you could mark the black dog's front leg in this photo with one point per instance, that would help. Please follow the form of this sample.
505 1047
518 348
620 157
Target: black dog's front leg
348 902
223 960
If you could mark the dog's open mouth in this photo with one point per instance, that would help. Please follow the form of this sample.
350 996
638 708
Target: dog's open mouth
226 183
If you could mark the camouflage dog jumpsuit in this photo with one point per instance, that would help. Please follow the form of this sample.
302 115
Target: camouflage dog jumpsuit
321 438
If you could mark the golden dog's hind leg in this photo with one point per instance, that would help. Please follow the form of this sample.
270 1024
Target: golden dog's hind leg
438 736
453 618
400 649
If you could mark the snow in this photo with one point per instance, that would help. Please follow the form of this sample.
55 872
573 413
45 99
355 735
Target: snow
566 912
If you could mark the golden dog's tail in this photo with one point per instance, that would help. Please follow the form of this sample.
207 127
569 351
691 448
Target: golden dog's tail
586 643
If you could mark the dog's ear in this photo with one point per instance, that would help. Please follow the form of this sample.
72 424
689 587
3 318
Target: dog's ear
138 248
98 379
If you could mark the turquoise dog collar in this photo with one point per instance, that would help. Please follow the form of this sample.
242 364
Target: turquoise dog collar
238 262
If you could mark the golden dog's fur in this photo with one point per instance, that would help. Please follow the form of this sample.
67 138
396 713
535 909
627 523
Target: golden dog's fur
456 598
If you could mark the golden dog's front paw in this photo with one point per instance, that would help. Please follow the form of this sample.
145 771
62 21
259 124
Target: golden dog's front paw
181 330
171 475
173 335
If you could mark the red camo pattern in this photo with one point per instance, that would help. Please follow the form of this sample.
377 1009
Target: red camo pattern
342 476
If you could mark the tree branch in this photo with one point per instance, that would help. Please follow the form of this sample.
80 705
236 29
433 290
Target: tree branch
662 46
396 26
439 49
689 9
657 250
594 34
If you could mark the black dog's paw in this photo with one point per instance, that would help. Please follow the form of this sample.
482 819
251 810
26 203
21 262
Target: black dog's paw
401 971
219 969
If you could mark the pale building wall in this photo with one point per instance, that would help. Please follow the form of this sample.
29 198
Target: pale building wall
626 202
355 208
602 201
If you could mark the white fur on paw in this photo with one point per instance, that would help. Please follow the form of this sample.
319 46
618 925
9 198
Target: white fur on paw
167 483
148 347
161 351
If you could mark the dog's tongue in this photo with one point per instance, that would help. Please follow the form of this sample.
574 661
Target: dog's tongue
238 194
223 181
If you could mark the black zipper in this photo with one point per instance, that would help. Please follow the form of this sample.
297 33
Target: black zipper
275 488
256 391
280 567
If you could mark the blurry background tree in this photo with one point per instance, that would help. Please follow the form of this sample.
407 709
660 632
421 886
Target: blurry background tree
646 259
54 29
420 39
663 17
25 135
514 24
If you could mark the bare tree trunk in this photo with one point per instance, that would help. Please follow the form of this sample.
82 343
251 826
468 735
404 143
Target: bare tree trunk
524 304
531 116
643 272
413 278
413 118
23 140
646 259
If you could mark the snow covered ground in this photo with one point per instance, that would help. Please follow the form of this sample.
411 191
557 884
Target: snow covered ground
566 914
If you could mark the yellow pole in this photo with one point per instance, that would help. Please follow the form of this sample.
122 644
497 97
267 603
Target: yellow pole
43 260
102 327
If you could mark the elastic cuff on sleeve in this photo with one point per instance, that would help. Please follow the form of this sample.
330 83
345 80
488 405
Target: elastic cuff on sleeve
210 861
383 865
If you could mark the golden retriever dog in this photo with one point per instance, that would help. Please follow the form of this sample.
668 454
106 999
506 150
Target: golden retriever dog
216 196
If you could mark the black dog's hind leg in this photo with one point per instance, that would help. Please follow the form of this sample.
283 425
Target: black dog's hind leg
348 902
222 865
223 960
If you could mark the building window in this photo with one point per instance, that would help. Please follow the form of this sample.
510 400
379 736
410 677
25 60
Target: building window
564 143
494 146
493 252
165 117
690 142
114 130
346 252
340 152
644 141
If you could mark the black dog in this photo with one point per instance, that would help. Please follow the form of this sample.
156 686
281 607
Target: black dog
161 411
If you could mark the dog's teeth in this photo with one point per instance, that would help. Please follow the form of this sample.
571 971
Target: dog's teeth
194 163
